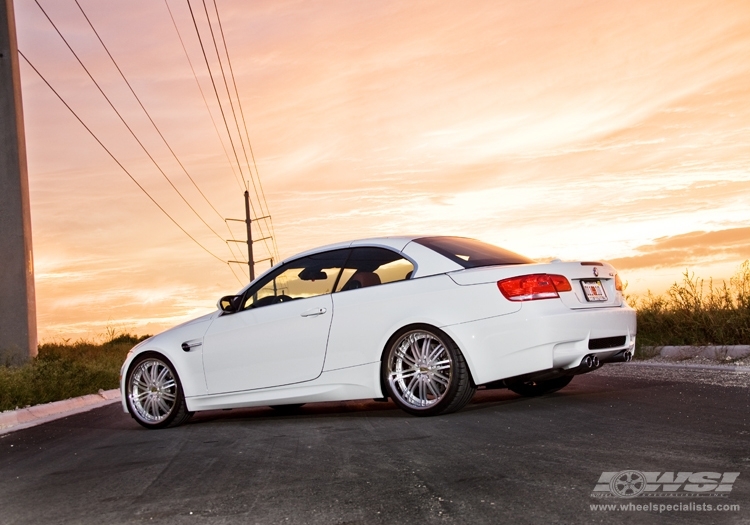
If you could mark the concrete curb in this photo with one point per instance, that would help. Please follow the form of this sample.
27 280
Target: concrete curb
709 352
13 420
720 368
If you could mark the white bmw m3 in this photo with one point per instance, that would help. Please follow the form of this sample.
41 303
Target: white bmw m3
423 321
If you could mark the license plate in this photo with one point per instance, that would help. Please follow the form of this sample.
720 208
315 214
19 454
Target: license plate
594 291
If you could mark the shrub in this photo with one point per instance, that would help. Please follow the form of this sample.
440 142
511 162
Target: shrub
694 312
62 371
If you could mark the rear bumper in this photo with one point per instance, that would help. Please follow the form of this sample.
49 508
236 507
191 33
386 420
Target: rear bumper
542 335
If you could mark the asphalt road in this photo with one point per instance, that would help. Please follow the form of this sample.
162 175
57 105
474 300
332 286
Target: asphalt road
502 459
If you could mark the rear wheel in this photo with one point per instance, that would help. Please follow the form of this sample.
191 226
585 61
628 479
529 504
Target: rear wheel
425 373
539 388
154 393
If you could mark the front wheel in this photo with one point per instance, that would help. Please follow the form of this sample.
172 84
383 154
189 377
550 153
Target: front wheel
425 373
154 393
539 388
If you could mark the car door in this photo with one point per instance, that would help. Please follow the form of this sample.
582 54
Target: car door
372 295
280 334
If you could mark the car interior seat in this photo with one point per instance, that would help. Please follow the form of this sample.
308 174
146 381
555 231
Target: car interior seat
361 279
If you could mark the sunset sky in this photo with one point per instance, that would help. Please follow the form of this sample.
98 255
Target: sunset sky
580 130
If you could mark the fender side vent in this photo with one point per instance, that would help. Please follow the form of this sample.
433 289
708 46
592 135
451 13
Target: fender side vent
607 342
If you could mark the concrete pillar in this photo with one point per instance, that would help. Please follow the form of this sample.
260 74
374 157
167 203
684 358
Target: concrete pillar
18 335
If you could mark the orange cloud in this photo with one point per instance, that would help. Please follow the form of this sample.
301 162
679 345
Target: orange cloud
723 245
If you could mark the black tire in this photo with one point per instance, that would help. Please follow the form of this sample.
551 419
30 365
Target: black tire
154 393
539 388
424 372
292 408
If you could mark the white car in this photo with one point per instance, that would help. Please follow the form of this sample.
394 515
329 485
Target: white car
421 320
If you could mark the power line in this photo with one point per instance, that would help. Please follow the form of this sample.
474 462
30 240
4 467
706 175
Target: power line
205 101
247 134
123 120
144 109
218 99
210 114
234 114
226 86
235 274
163 138
216 92
117 161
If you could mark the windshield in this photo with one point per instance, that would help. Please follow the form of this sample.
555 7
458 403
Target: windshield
471 253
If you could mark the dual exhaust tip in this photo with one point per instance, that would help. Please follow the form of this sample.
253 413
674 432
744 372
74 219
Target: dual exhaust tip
591 362
624 357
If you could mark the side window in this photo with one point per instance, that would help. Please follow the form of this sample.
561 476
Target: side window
300 279
373 266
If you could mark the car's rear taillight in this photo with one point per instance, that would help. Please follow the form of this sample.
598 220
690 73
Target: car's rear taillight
561 283
618 283
533 287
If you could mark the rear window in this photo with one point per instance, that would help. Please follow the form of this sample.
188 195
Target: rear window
471 253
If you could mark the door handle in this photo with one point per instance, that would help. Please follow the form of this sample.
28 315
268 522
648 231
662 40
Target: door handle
313 312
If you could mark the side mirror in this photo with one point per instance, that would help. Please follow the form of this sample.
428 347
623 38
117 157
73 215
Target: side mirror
229 303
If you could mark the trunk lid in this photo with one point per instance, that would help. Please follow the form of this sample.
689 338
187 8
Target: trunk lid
592 276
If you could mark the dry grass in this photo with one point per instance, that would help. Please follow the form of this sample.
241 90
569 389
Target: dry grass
696 312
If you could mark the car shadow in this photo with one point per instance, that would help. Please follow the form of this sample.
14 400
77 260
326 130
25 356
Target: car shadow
483 399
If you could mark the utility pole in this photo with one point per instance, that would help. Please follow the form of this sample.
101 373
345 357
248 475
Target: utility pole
18 335
248 224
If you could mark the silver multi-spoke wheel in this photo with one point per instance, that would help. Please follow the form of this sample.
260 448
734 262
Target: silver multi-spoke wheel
420 369
153 390
154 394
